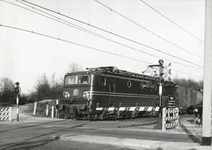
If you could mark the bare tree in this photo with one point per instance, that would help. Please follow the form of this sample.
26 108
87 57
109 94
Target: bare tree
188 83
6 90
47 88
73 67
42 87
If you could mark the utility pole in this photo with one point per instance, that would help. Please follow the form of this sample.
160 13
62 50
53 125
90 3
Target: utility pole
207 90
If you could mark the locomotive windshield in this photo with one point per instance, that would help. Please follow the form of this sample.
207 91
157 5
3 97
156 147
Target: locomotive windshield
76 79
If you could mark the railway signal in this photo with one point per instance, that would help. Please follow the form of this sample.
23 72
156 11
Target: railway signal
17 92
159 67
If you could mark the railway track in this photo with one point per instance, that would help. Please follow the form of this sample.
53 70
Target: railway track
146 120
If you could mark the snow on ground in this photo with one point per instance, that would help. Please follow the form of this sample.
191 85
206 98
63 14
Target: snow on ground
23 112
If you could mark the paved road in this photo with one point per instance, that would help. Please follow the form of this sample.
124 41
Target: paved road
50 133
54 134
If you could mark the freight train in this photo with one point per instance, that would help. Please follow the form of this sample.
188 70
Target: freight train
187 97
108 92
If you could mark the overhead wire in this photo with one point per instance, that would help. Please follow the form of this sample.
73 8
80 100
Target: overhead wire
83 29
76 27
146 29
73 42
70 42
81 45
101 29
187 73
172 21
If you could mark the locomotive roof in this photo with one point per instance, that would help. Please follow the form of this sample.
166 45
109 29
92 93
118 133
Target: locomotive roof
117 72
111 70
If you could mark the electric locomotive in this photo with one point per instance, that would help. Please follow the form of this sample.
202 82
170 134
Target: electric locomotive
108 92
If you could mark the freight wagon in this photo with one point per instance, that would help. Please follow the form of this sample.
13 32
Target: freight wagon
187 96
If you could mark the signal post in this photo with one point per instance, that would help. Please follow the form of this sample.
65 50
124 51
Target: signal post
160 66
17 92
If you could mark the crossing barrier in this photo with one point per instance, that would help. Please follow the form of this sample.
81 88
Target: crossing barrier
120 112
146 108
6 114
170 118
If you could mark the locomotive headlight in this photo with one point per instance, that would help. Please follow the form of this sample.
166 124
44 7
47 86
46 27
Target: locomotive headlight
66 95
85 95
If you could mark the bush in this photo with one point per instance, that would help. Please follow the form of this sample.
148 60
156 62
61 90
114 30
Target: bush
41 107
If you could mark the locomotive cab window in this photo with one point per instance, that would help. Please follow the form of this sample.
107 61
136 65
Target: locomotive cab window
77 79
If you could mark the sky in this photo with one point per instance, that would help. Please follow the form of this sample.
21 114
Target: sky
128 34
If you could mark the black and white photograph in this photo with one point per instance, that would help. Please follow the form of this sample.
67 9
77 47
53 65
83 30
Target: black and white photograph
105 74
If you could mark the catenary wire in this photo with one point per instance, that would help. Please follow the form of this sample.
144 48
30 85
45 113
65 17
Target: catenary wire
81 45
85 30
147 29
70 42
155 49
172 21
175 70
187 73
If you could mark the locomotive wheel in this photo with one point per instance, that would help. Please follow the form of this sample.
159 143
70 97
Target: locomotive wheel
65 115
127 115
102 116
96 117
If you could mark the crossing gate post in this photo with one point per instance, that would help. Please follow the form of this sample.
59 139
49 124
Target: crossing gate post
35 108
163 119
47 110
170 118
10 113
52 112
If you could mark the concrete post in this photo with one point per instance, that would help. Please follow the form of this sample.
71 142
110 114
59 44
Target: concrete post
47 110
10 113
163 119
52 111
17 102
207 90
35 108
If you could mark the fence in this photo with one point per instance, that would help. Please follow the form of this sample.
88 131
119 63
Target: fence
170 118
6 114
50 111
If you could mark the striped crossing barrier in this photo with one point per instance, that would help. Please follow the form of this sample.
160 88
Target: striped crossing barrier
170 118
172 124
121 112
146 108
5 114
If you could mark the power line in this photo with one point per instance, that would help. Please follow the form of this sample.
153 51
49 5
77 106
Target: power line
81 45
187 73
171 21
70 42
111 33
146 28
85 30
